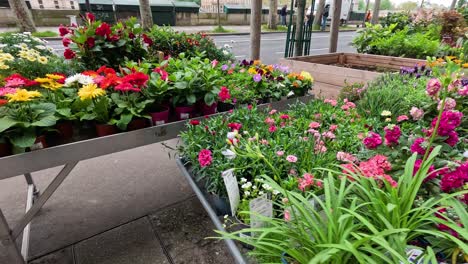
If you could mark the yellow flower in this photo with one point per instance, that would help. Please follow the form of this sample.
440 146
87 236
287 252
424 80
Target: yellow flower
451 57
307 76
42 60
54 76
257 62
252 70
49 83
465 65
22 95
31 58
386 113
90 91
4 67
23 46
457 61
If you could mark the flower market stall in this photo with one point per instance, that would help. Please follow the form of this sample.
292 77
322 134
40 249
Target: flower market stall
58 111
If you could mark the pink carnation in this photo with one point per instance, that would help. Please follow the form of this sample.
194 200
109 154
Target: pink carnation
402 118
204 157
416 113
333 102
235 126
306 181
345 157
272 112
348 105
372 141
272 129
314 125
320 147
329 135
433 87
280 153
333 127
291 158
270 121
284 116
392 135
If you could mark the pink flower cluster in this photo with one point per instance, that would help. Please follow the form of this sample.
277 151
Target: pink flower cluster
224 94
235 126
455 179
306 181
372 141
418 146
430 173
346 157
416 113
204 157
448 122
348 105
375 168
333 102
433 87
392 135
450 104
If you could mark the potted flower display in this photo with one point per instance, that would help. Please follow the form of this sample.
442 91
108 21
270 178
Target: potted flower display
159 89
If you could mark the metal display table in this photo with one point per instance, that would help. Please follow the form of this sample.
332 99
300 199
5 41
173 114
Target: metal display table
69 155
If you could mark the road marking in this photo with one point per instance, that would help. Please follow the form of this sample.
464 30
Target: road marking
234 41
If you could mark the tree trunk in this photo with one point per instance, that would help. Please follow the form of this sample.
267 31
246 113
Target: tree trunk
23 16
146 15
218 15
318 17
272 14
255 29
452 6
375 13
299 27
335 25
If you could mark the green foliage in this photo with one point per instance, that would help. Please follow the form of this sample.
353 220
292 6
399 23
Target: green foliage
394 93
401 19
45 34
386 5
173 43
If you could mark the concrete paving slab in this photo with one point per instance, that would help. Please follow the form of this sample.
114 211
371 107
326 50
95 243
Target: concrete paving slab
183 229
133 243
63 256
99 194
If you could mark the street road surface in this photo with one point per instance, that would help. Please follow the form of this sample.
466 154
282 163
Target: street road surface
272 45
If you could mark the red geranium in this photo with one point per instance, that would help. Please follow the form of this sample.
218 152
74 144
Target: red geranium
66 42
147 40
69 54
103 29
63 30
90 17
224 94
90 42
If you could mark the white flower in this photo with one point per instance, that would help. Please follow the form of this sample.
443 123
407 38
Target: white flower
232 135
225 52
246 185
465 154
50 49
80 78
27 40
246 193
276 192
291 93
225 216
254 187
242 180
41 47
2 46
229 154
260 193
266 186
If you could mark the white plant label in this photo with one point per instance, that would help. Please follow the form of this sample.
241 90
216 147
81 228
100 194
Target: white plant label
260 206
184 116
37 146
160 122
232 188
413 255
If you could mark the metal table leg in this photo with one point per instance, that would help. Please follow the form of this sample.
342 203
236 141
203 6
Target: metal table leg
30 181
8 242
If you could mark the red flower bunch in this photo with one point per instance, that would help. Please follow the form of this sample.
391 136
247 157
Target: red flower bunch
132 82
90 17
224 94
69 54
455 179
103 30
204 158
147 40
392 135
235 126
63 30
372 141
164 75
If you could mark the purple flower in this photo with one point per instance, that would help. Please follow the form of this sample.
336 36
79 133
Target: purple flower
224 67
257 77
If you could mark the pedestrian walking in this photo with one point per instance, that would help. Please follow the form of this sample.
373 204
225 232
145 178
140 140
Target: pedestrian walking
368 16
325 14
284 13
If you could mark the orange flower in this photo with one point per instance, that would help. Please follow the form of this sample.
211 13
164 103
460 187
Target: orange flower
295 84
465 65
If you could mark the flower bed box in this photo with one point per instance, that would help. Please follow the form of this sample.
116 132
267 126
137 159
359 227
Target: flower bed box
331 71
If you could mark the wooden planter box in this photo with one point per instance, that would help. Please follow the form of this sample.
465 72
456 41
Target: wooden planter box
330 76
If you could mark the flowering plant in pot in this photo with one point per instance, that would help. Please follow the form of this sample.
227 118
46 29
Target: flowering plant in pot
130 101
94 105
25 118
299 84
97 43
209 85
159 89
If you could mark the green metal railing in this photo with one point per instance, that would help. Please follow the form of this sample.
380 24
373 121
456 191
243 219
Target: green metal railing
305 40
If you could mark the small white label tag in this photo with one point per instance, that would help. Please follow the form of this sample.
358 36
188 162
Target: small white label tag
232 188
413 255
260 206
160 122
37 146
184 116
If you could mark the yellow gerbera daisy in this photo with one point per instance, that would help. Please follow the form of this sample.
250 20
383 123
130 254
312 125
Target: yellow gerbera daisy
90 91
42 60
22 95
31 58
54 76
49 83
307 76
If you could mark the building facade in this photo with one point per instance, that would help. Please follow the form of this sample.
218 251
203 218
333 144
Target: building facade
211 6
54 4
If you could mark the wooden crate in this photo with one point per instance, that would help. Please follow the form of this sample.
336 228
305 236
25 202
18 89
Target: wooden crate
330 78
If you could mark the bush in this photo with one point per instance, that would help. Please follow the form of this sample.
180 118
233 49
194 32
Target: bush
173 43
400 19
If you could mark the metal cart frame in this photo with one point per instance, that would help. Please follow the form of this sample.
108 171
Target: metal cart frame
69 155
